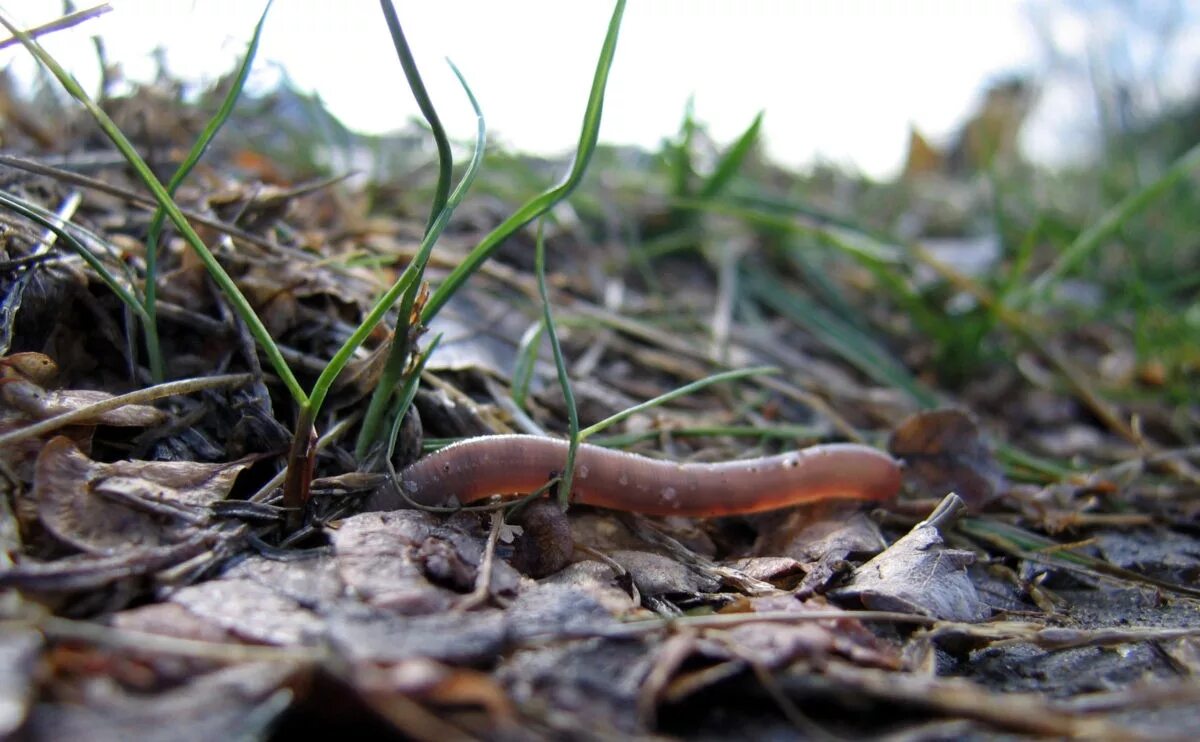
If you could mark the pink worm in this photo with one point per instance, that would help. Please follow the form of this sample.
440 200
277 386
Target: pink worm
506 464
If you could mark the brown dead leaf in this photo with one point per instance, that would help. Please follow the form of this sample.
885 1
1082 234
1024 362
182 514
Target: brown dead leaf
821 538
919 574
944 451
778 644
36 367
40 403
111 508
435 683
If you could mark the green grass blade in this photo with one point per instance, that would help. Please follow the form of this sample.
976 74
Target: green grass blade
407 394
335 366
35 215
402 340
156 222
527 354
413 75
695 386
1093 237
564 381
543 202
732 160
843 338
214 268
681 168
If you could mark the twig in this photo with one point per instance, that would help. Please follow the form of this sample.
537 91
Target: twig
141 396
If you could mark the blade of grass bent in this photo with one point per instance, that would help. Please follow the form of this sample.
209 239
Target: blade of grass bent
124 294
401 341
156 223
413 75
214 268
342 357
543 202
407 283
67 21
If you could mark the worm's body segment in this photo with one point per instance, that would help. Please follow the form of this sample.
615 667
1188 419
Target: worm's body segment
506 464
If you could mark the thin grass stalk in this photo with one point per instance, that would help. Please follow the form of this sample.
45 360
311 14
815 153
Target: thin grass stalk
560 364
407 394
682 391
417 86
543 202
150 293
373 420
253 323
407 326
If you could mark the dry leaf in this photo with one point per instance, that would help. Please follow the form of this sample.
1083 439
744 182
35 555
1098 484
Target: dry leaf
40 404
918 574
945 452
109 508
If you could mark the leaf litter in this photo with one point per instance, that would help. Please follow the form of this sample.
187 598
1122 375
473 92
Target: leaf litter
149 589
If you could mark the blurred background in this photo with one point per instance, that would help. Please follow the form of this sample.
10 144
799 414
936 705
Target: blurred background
842 83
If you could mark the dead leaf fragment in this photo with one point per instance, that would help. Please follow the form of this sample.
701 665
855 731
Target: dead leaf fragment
109 508
918 574
40 403
944 451
238 702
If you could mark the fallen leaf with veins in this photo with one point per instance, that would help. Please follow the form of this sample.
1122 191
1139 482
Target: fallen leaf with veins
109 508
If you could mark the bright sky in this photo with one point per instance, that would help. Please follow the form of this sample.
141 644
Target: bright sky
840 80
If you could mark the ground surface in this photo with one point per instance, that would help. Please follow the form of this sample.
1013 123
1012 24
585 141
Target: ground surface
153 587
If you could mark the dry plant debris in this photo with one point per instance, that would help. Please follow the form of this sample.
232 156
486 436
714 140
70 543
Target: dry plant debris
153 587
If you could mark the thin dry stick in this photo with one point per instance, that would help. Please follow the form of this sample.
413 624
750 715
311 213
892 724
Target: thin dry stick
483 579
141 396
129 639
83 181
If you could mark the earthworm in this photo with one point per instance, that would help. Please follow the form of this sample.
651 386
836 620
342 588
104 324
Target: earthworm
508 464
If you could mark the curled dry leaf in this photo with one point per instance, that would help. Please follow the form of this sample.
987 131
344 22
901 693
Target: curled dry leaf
918 574
89 572
944 451
111 508
36 367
